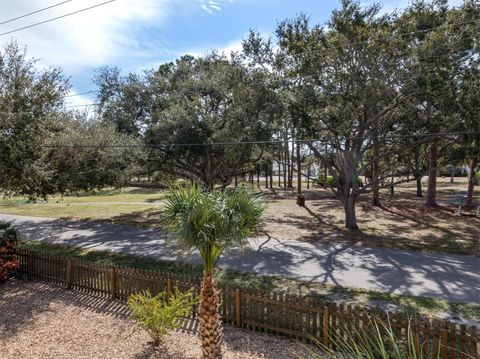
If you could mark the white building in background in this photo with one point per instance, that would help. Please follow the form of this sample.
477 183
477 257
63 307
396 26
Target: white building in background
314 170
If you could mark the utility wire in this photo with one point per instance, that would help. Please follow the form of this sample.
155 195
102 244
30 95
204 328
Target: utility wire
58 17
84 105
437 134
83 93
34 12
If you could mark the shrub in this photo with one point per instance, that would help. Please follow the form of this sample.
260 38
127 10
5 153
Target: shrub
157 315
8 245
331 182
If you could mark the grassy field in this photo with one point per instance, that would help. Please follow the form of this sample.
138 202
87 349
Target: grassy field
104 205
403 222
404 304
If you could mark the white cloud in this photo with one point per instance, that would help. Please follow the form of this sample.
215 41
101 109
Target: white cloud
227 49
210 6
110 34
232 46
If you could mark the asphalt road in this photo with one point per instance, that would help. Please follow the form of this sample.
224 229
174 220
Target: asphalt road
450 277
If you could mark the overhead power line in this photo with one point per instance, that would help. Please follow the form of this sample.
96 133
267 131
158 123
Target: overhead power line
84 105
34 12
82 93
228 143
57 17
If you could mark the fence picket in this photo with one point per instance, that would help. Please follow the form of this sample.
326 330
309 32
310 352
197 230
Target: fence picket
258 310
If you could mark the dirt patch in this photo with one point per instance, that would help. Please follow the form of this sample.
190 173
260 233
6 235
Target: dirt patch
39 320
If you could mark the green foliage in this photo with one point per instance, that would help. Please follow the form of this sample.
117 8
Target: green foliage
331 181
8 244
30 104
80 163
192 100
211 221
375 340
159 315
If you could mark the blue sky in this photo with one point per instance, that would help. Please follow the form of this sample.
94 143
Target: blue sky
141 34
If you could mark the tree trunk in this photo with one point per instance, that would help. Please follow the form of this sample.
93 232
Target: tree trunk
308 176
419 186
258 176
236 181
292 159
271 174
350 215
211 331
325 176
432 176
452 174
375 173
299 171
285 161
279 175
471 182
266 175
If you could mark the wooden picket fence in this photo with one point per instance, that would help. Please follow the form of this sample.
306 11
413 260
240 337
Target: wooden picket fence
302 318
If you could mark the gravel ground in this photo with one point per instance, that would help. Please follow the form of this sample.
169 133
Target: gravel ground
39 320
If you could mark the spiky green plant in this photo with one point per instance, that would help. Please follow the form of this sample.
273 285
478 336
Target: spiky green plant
375 339
210 222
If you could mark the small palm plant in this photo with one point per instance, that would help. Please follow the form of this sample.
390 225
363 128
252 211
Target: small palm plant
160 314
210 222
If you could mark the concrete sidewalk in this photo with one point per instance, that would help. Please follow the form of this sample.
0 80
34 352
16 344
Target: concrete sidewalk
445 276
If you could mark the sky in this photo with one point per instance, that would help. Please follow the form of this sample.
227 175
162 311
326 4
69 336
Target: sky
141 34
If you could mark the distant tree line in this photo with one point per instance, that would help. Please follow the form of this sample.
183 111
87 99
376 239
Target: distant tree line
388 96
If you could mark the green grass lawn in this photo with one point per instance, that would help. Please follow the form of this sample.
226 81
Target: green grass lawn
115 205
404 304
129 194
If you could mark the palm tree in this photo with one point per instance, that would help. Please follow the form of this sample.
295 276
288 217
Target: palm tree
210 222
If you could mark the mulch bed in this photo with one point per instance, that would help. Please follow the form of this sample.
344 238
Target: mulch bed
39 320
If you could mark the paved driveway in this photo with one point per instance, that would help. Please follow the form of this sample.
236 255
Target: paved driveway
449 277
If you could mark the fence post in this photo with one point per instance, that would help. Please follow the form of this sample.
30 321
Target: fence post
474 340
238 307
169 288
444 343
325 325
30 265
113 283
69 273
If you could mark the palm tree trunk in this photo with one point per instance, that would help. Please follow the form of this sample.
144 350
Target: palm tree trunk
211 330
